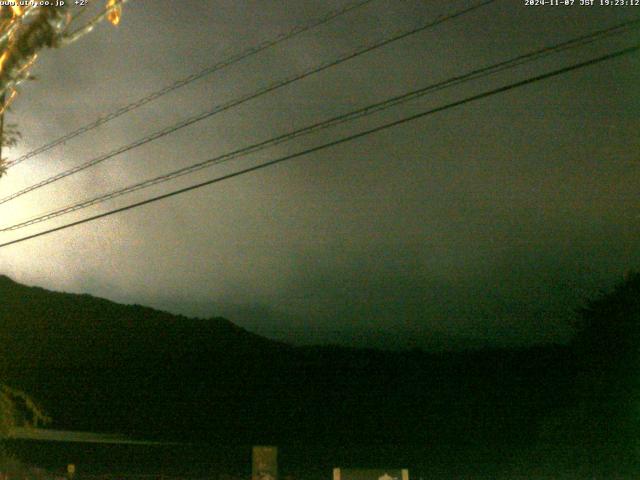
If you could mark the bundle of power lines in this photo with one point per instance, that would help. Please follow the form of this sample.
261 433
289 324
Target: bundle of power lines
478 73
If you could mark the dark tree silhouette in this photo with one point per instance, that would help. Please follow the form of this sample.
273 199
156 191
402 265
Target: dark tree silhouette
607 348
608 337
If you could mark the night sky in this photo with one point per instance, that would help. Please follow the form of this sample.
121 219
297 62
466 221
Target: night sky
488 223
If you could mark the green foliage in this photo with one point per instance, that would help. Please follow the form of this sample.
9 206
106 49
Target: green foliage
11 467
9 463
10 137
18 408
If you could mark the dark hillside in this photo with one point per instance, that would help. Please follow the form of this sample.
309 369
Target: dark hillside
97 365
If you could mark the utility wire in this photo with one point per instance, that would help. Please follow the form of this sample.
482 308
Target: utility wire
192 78
339 141
362 112
238 101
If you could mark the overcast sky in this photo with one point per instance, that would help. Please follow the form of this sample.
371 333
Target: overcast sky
486 223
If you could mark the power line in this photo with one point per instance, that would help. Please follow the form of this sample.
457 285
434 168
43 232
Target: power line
349 116
238 101
192 78
339 141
